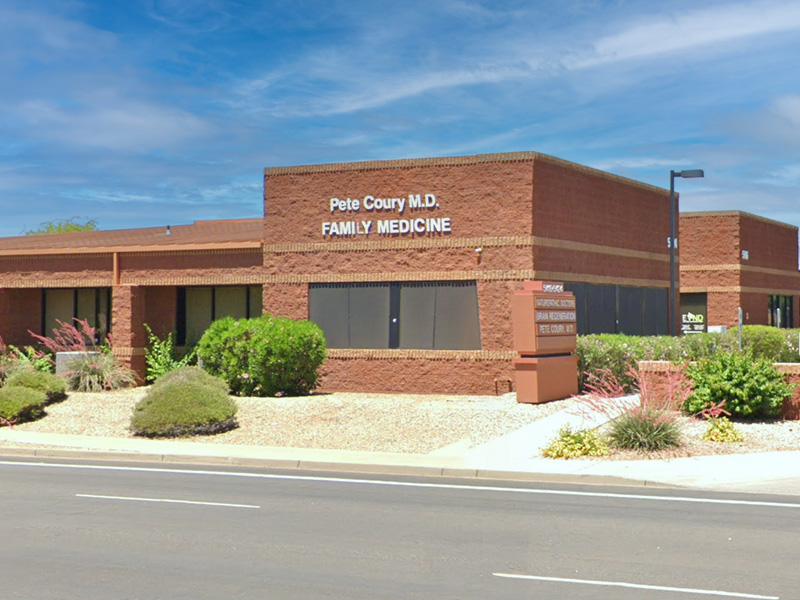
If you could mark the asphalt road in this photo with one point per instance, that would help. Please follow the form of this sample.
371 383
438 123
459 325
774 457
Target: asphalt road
105 532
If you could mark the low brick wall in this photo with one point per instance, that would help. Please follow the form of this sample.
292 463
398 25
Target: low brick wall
656 377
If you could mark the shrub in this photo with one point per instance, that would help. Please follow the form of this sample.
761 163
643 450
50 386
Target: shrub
98 372
645 430
264 356
180 408
571 444
193 374
750 388
722 430
53 386
768 343
20 404
160 355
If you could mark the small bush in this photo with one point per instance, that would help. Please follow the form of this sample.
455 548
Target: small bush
160 356
193 375
750 388
645 430
53 386
181 408
265 356
20 404
722 430
572 444
98 372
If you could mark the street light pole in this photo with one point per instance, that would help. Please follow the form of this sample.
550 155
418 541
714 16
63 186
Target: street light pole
673 241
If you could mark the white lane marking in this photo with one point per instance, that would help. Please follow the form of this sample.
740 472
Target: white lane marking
638 586
167 500
443 486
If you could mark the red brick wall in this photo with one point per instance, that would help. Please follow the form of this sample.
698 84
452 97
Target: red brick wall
582 205
20 311
206 267
49 270
161 309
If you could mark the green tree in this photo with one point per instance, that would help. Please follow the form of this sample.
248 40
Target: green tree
63 226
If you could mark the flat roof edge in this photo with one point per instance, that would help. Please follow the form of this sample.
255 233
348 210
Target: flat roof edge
448 161
736 213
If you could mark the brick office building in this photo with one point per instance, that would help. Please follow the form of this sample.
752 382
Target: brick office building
408 265
173 278
733 259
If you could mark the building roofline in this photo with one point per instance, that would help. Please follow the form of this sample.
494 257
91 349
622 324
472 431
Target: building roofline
736 213
452 161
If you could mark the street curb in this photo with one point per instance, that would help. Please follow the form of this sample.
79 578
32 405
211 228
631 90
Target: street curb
331 466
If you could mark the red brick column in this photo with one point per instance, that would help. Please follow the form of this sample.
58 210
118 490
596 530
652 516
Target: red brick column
20 311
128 335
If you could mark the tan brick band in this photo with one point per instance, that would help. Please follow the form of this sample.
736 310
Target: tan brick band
512 275
598 249
463 355
740 268
521 241
54 283
125 352
401 244
226 279
600 279
737 289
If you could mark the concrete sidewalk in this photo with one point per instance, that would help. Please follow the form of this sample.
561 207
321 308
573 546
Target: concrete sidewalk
515 456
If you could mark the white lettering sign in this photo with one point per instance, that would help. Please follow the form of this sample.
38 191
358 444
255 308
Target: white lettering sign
386 227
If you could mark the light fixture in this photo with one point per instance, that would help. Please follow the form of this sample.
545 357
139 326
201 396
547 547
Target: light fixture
673 241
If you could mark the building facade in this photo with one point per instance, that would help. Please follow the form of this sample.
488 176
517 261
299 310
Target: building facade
409 265
732 260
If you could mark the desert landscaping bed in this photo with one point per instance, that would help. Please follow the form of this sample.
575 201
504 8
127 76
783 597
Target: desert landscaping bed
378 422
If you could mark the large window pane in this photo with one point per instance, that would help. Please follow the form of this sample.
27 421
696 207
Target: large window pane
369 315
328 307
58 305
230 302
631 310
198 312
456 324
256 307
601 308
656 319
417 304
87 306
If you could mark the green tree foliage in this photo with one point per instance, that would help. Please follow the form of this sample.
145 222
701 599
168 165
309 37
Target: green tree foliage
63 226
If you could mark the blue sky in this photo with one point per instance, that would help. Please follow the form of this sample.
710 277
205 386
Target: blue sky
155 112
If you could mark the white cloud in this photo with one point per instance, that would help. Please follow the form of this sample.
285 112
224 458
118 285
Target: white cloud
653 36
115 124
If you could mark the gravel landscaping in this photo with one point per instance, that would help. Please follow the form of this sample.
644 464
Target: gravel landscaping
377 422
